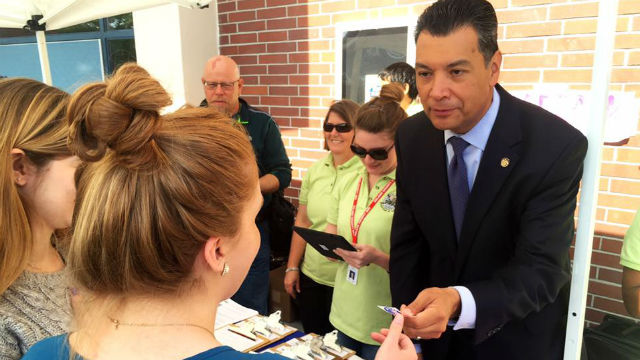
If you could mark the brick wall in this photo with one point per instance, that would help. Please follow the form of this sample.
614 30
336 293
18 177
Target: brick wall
286 52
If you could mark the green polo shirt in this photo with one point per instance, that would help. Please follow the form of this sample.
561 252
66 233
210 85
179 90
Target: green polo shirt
630 256
354 308
315 192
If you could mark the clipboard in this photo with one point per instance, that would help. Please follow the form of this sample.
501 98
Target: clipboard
324 242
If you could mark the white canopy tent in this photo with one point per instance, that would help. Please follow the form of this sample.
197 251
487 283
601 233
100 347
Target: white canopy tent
41 15
607 12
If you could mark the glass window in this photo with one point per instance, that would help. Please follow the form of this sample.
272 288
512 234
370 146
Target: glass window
120 52
120 22
365 53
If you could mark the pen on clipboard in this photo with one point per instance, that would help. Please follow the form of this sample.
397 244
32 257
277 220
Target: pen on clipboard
252 338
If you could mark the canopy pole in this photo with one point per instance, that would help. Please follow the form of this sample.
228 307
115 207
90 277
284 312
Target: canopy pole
44 57
607 11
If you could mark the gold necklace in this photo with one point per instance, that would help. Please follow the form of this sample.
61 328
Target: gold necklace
116 323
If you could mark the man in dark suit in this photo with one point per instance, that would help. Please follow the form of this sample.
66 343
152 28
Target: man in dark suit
486 196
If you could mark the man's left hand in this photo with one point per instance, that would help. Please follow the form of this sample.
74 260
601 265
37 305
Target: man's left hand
428 315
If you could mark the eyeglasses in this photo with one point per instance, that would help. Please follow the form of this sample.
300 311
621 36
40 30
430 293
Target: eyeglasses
376 154
341 128
226 86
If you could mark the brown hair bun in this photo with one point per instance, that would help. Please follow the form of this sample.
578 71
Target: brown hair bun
392 92
121 114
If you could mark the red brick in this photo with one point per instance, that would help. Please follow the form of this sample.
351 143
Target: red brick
254 100
613 306
272 13
244 38
226 6
255 90
612 246
302 10
610 229
270 36
273 80
300 34
306 122
241 16
285 111
228 50
288 23
304 57
609 275
532 30
605 289
283 90
253 69
275 100
273 58
620 217
282 122
245 60
303 79
594 315
272 3
250 4
608 260
283 69
282 47
627 41
228 28
251 49
223 18
224 39
252 26
521 15
291 193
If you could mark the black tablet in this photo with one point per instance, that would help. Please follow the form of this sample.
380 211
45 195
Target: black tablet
324 242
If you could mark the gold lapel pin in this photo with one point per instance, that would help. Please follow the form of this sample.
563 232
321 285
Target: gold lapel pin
504 162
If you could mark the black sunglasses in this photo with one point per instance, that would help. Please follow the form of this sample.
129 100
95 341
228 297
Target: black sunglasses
341 128
376 154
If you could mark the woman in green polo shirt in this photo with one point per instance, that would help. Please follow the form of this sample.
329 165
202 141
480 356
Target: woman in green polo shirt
309 276
362 212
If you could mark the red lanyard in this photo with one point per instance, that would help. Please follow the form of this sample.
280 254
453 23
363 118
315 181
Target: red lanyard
356 229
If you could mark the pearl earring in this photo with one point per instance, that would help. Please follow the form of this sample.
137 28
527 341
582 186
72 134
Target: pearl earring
225 270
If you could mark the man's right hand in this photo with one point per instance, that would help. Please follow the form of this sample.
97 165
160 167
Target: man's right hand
292 283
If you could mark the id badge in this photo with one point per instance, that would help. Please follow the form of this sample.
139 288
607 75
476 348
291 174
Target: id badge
352 275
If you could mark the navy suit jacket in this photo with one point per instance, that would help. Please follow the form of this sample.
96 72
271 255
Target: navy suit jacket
513 251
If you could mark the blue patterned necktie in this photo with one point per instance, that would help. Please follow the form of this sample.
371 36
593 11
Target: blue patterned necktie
458 182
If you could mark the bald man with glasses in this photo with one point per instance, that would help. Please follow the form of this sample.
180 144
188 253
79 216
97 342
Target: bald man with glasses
222 88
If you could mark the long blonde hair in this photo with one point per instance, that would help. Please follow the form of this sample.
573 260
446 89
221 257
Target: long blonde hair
31 119
158 186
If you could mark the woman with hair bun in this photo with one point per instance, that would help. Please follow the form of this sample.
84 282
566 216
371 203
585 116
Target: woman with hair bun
362 211
37 193
164 228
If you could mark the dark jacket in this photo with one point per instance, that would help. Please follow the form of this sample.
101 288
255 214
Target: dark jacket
513 251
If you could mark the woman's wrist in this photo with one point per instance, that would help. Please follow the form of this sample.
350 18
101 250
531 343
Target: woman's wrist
292 268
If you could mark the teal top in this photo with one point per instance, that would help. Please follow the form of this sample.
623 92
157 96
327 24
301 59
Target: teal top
630 256
57 348
315 192
354 308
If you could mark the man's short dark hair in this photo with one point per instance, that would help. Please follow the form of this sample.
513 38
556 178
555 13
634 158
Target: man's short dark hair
445 16
402 73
